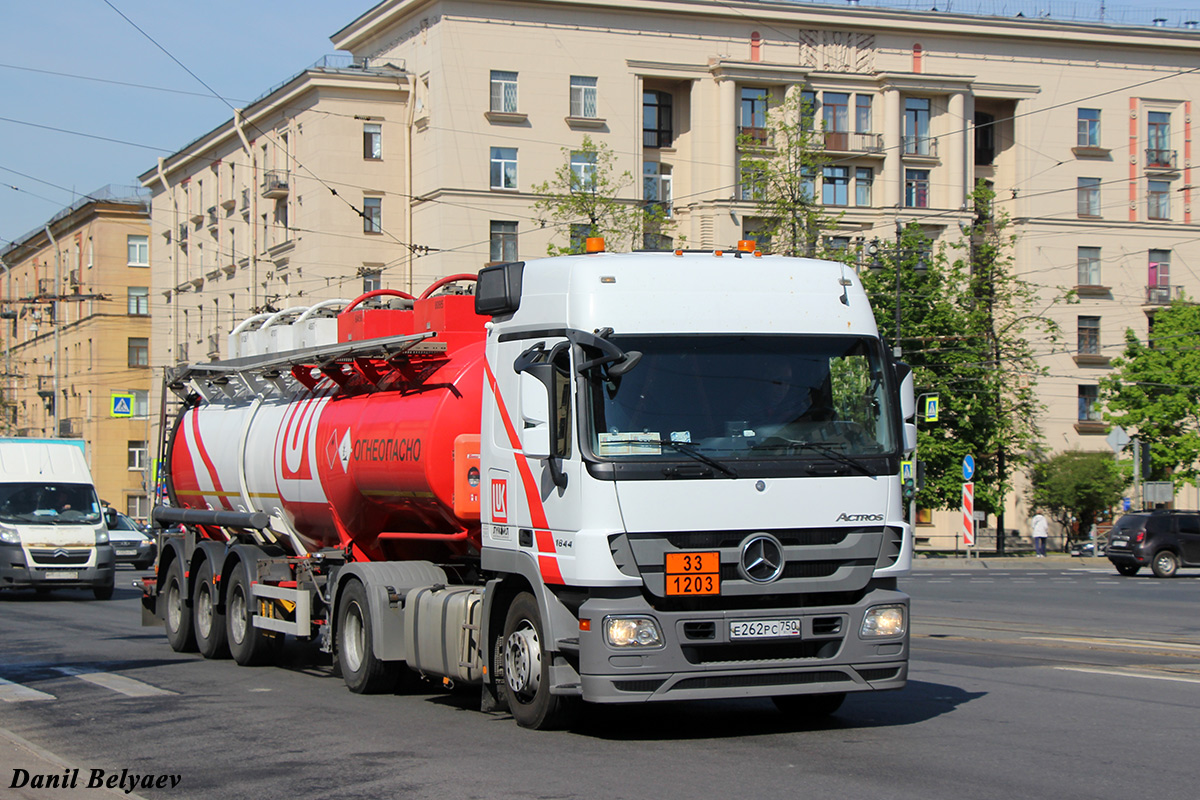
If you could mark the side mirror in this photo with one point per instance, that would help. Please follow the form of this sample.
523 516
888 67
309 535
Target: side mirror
110 517
910 437
535 416
908 395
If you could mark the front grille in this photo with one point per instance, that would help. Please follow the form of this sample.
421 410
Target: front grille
879 674
60 557
693 540
733 681
742 652
638 686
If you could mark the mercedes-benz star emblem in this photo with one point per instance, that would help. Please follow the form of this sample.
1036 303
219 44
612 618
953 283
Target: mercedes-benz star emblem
761 559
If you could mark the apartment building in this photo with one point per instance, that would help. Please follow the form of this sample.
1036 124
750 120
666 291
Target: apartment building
1083 130
76 337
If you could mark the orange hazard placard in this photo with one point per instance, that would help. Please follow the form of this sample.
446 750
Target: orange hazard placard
693 573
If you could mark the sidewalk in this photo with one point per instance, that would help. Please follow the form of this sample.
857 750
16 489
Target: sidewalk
990 561
19 754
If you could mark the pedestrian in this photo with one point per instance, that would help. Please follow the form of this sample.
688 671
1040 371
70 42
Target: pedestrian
1041 529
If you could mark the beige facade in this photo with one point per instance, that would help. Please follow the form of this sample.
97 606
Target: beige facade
1084 131
76 333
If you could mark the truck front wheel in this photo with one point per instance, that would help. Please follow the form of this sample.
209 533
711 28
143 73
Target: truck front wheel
362 671
211 637
178 616
527 669
249 646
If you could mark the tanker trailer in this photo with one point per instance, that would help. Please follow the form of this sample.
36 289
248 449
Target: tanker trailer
609 478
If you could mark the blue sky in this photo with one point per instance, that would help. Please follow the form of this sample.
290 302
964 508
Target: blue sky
241 48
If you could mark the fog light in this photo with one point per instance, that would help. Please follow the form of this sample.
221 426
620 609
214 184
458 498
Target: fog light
632 632
883 621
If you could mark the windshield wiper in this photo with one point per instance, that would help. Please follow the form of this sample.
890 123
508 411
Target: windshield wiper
799 444
680 447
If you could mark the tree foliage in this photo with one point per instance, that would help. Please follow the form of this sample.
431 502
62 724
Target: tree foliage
1153 392
584 200
1076 486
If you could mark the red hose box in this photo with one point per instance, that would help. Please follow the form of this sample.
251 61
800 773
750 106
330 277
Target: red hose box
448 312
372 323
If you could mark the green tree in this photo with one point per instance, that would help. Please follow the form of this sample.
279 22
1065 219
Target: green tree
779 166
1076 486
584 200
1153 392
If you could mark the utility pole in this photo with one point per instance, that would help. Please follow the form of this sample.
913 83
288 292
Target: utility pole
54 311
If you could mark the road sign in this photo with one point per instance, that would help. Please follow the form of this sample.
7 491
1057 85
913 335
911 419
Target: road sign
932 406
906 471
1117 439
968 514
968 468
122 405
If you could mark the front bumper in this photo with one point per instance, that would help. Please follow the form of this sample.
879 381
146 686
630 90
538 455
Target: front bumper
699 660
139 554
16 572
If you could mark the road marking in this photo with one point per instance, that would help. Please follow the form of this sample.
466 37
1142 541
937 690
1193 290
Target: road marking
117 683
1120 674
16 693
1136 643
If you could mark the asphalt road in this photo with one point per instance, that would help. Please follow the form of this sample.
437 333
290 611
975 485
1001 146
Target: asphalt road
1067 682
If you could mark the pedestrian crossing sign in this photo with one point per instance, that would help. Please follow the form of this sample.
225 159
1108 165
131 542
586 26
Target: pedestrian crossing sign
931 408
122 405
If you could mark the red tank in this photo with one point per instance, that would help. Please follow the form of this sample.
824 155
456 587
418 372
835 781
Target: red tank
373 452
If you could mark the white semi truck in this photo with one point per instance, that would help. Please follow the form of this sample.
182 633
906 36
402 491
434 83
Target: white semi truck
615 478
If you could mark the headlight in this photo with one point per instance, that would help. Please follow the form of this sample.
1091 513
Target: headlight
101 536
632 632
883 621
9 536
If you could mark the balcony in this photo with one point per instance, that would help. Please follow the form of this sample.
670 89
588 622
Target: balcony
275 183
213 219
1164 160
921 147
846 142
1162 295
753 137
70 428
183 234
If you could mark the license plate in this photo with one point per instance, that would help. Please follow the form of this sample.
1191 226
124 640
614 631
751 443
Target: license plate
127 552
61 575
693 573
764 628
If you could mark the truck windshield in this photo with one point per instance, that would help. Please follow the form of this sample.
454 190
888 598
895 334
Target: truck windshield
737 398
49 504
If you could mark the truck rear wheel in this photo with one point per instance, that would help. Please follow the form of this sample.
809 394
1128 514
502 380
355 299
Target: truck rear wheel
809 706
177 616
363 672
249 646
211 636
527 669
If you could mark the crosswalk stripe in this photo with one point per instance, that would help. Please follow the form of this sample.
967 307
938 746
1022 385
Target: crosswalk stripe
117 683
16 693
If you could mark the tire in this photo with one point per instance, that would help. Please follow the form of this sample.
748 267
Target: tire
144 565
1165 564
104 592
212 638
249 646
1128 569
362 671
177 615
809 706
42 591
526 683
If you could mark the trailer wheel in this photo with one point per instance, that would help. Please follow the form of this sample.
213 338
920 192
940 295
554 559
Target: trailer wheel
249 646
178 616
363 672
211 637
527 669
809 706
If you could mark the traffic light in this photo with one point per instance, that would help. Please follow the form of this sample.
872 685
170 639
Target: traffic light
1144 455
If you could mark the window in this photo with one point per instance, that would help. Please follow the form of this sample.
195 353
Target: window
985 139
372 215
1089 404
656 119
862 113
504 92
141 402
753 119
1158 199
1089 197
583 171
139 352
656 185
808 109
1158 139
753 184
580 231
1089 336
137 506
808 183
1158 277
863 178
835 187
139 250
1088 125
139 301
504 168
583 97
1089 266
137 455
836 112
372 140
916 188
916 126
759 232
504 241
372 280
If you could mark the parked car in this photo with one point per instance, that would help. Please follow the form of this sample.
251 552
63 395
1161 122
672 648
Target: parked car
1086 548
131 545
1164 540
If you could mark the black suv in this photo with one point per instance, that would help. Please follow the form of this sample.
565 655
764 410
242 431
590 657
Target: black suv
1166 540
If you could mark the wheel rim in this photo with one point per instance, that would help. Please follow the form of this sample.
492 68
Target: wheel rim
204 610
353 638
1166 562
174 606
523 660
237 616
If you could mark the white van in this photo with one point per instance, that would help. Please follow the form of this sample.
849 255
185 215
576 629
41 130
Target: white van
52 534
